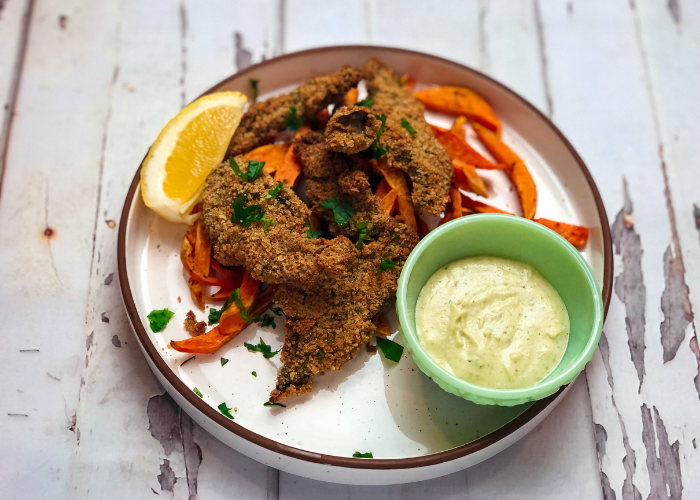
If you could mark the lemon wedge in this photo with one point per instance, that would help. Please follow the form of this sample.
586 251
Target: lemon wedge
186 151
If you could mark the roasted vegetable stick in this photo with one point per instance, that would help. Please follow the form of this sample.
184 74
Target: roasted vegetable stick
460 101
457 127
576 235
456 198
457 148
272 154
467 178
397 180
350 98
383 189
382 327
290 169
517 171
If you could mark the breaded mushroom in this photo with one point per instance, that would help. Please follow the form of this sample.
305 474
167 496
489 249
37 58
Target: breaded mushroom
351 130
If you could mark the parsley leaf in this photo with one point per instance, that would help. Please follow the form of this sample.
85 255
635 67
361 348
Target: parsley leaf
364 232
262 348
314 234
246 215
293 121
224 361
215 315
407 126
254 87
239 302
267 403
357 454
379 150
275 192
342 211
391 350
265 321
197 392
254 374
321 354
367 103
158 318
225 410
276 310
254 169
386 265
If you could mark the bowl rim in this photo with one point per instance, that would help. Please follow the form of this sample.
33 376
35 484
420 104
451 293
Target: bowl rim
333 460
546 386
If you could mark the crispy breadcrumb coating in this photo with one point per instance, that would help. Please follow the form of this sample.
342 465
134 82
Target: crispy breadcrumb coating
194 327
265 119
422 157
351 130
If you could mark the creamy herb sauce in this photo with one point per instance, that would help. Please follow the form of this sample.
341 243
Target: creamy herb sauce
492 322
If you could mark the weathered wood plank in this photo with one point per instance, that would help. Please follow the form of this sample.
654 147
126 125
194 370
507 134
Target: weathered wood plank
168 53
643 433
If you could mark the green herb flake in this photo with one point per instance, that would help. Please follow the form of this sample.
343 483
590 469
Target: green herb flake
239 302
262 348
245 215
215 314
314 234
225 410
357 454
342 211
253 172
254 89
378 150
391 350
224 361
265 321
407 126
321 354
367 103
364 232
158 318
274 192
267 403
293 121
254 374
386 265
277 310
198 392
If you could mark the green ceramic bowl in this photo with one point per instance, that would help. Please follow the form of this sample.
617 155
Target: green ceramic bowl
517 239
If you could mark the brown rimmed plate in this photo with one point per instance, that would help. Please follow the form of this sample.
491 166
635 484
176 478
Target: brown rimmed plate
415 430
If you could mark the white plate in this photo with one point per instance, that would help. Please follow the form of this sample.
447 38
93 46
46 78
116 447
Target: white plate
415 430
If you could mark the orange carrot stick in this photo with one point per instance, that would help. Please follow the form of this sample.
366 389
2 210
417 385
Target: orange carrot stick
272 154
517 171
457 148
460 101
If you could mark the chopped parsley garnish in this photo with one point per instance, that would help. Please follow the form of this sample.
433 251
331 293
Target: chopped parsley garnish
407 126
265 321
158 318
314 234
274 192
198 392
276 310
357 454
342 211
391 350
254 374
247 215
364 231
225 410
321 354
215 315
224 361
254 87
367 103
386 265
239 302
262 348
254 169
267 403
293 121
379 150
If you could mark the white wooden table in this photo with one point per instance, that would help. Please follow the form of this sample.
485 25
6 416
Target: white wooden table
87 85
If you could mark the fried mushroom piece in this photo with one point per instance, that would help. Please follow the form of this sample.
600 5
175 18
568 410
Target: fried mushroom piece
421 156
194 327
265 119
351 130
275 249
326 326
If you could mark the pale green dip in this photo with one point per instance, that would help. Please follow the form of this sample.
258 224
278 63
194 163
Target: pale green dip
492 322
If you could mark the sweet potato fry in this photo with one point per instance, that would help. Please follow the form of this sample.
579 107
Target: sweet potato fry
389 201
576 235
409 82
382 327
290 169
422 227
351 97
457 127
467 178
517 171
383 188
272 154
456 198
481 208
460 101
397 180
457 148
